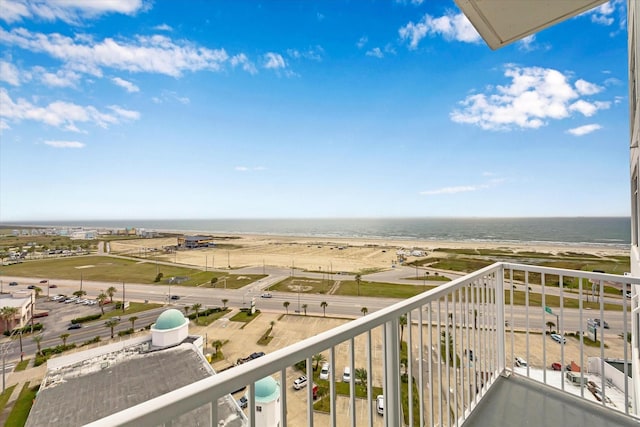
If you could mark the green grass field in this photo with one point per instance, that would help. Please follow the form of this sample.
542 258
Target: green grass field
22 406
112 269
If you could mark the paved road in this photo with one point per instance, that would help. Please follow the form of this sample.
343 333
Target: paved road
346 306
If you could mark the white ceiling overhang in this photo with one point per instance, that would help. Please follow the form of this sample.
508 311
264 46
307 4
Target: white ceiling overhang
501 22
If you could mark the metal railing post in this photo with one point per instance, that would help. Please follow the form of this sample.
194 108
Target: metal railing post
393 406
500 327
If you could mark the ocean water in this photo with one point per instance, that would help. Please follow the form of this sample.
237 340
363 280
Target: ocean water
600 231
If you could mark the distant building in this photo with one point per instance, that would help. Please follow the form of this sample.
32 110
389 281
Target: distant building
86 386
193 242
21 300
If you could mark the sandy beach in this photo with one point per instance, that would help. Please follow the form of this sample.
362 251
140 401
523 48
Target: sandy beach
326 254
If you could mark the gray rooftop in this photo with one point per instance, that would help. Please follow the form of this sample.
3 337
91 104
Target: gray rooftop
87 391
520 402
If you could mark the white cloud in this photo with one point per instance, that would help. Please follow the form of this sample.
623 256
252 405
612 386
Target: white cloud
242 60
127 85
70 11
413 2
127 114
451 27
376 52
153 54
60 114
534 96
362 41
602 14
315 53
274 61
163 27
586 88
9 73
61 78
583 130
169 96
65 144
248 169
454 190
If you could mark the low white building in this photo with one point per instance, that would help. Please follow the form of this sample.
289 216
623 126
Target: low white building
22 300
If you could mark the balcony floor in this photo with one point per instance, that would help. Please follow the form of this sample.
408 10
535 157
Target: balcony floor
517 401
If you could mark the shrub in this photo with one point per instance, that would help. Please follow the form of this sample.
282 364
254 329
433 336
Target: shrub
158 277
91 341
25 330
125 332
86 318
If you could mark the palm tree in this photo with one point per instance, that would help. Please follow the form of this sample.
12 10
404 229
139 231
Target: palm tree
64 337
196 307
79 293
186 310
324 305
217 344
133 319
111 292
286 305
224 303
37 339
304 307
364 311
358 280
38 291
7 313
318 358
360 375
403 322
111 323
102 298
550 325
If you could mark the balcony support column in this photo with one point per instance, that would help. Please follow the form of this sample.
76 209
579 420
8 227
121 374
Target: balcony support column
393 406
500 327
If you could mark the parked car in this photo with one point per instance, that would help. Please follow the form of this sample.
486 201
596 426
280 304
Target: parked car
324 372
243 402
604 323
380 404
520 362
74 326
266 295
556 366
300 382
558 338
346 374
13 283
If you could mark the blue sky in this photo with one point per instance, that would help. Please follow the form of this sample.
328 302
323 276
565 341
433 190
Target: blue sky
132 109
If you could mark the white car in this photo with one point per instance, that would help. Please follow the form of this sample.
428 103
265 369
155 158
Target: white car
520 362
324 372
380 404
300 382
346 374
558 338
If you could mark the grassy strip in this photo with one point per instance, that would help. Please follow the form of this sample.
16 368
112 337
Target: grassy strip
244 316
376 289
535 300
21 366
4 397
22 406
304 284
207 320
134 307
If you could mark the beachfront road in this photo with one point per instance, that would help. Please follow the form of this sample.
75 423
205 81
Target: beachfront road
341 306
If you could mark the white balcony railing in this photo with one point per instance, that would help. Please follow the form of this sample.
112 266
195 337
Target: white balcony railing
459 338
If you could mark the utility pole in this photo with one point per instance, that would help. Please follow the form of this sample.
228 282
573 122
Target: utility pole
81 280
21 353
123 296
